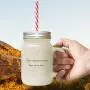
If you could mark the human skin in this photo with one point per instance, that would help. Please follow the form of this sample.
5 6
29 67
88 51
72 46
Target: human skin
75 59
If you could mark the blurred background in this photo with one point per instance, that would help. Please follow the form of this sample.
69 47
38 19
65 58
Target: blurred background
64 18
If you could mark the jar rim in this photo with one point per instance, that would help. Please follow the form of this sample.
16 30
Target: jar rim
37 35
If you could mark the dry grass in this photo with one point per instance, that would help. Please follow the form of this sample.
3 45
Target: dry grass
13 84
79 84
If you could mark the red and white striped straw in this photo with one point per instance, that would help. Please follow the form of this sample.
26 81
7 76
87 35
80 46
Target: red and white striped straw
37 15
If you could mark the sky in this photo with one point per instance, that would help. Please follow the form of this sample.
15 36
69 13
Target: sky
64 18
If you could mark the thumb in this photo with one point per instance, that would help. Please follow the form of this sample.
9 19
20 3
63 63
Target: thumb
64 42
74 47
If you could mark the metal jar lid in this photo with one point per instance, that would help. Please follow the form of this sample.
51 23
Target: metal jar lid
37 35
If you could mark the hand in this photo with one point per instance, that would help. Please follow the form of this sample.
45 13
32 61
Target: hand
75 53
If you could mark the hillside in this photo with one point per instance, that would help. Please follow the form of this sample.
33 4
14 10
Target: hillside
9 61
7 49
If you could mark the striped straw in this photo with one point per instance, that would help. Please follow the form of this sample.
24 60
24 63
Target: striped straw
37 15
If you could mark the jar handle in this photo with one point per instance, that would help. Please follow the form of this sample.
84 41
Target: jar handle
56 48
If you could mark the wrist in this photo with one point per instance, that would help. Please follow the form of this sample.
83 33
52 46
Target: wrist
88 66
85 62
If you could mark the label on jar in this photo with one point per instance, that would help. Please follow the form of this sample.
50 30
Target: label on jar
36 63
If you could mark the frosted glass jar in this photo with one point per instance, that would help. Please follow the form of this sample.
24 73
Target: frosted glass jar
37 61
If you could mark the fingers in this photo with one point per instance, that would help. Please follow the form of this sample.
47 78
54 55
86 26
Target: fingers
60 75
61 54
63 60
57 68
63 57
62 64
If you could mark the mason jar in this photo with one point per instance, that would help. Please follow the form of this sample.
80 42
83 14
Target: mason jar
37 59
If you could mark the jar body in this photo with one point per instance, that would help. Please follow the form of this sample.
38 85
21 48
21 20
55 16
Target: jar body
36 62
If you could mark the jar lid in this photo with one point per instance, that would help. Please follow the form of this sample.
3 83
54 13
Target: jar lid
37 35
